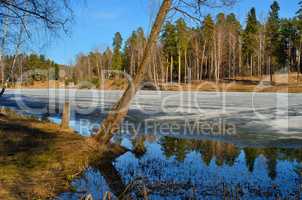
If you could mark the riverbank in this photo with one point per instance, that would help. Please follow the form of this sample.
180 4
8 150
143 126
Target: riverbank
38 159
281 84
238 86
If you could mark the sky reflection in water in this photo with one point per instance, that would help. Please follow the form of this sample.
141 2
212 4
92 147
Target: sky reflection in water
179 169
173 168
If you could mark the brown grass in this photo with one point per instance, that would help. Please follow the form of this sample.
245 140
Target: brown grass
282 83
231 87
38 159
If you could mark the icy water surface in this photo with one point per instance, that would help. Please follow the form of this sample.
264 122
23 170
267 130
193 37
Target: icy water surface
261 160
172 168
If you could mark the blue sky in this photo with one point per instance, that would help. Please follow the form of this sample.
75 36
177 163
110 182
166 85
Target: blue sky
96 21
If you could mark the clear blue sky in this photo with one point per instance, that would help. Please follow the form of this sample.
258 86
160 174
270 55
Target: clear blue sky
96 21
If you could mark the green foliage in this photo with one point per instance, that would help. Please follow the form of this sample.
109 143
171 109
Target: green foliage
133 51
289 36
33 62
208 28
273 31
117 60
220 48
169 40
183 34
96 82
250 36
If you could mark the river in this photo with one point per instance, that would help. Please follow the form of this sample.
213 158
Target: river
190 145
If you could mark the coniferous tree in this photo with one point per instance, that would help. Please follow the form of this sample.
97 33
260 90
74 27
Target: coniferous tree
169 40
272 38
233 35
289 38
250 38
182 45
117 59
299 42
208 44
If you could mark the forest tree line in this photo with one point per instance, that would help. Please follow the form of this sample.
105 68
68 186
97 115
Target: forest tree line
220 48
29 68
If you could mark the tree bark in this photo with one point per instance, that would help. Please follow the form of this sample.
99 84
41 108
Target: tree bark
111 124
270 70
299 62
66 116
202 59
171 70
179 66
186 65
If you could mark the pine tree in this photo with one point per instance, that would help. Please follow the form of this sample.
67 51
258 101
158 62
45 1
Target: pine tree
299 40
288 37
208 28
250 38
233 34
117 60
182 45
272 38
169 41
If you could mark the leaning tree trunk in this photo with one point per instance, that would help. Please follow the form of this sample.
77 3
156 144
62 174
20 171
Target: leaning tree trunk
179 66
111 124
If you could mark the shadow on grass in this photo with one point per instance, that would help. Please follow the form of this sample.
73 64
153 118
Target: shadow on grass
37 159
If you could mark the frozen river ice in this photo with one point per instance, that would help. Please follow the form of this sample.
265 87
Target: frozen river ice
255 118
196 143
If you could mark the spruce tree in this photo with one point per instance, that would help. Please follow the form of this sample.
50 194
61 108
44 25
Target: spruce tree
208 28
182 44
233 34
250 38
117 60
298 23
273 37
169 41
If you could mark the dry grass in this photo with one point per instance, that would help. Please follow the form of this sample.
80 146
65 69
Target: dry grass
115 84
232 87
282 83
38 159
292 78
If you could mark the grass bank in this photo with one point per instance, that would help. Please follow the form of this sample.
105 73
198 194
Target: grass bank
38 159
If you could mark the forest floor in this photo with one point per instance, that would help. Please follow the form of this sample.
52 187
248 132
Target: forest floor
38 159
281 83
228 86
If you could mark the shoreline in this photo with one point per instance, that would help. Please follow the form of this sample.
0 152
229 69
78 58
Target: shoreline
38 159
172 88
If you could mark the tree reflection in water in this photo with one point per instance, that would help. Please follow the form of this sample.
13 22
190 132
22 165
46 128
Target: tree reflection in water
225 153
173 168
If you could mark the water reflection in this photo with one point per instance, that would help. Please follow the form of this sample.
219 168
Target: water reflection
173 168
251 166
